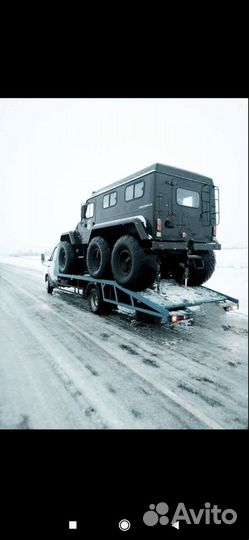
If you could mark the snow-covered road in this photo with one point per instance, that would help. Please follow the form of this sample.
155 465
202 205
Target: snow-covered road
63 367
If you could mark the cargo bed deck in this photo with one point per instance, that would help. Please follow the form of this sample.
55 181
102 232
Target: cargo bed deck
167 300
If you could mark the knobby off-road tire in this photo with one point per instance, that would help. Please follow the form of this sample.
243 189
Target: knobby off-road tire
132 265
66 257
165 269
98 258
197 276
96 302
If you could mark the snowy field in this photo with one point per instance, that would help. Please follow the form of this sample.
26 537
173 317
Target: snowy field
29 261
231 275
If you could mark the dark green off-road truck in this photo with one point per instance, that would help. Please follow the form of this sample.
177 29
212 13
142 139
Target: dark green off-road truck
159 219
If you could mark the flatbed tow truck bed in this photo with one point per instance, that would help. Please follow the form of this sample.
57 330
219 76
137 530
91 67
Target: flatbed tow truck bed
167 301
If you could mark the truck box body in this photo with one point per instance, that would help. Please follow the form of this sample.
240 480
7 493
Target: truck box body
183 201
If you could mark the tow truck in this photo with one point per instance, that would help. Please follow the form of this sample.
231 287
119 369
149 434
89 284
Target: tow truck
167 301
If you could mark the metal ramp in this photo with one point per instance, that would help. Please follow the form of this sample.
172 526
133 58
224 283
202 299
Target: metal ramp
171 303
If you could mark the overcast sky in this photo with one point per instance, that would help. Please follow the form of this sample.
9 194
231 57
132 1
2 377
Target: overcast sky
55 152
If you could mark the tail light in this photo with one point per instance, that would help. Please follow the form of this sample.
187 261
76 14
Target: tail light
159 227
214 230
232 307
175 318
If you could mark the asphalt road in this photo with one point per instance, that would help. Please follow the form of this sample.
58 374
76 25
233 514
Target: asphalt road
63 367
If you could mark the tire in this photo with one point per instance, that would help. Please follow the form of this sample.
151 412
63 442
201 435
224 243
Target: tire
197 276
49 287
132 266
66 258
96 302
98 258
165 269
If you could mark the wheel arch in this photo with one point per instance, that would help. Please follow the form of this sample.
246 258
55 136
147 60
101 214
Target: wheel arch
72 237
91 285
112 231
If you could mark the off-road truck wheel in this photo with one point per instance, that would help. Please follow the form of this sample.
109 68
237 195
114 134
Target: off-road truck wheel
197 276
98 258
49 286
165 269
132 265
96 302
66 257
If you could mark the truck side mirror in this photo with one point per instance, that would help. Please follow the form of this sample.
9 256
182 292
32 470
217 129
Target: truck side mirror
42 257
83 211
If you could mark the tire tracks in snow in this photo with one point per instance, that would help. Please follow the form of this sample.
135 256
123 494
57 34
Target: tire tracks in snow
206 375
123 360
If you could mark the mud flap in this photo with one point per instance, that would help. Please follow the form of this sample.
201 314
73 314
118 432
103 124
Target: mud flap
198 264
197 261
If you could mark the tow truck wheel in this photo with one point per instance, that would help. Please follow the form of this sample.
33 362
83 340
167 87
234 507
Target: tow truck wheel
96 302
49 287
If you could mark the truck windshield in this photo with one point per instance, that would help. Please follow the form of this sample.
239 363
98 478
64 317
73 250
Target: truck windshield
186 197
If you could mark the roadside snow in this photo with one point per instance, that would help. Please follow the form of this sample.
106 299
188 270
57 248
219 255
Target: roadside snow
231 275
29 261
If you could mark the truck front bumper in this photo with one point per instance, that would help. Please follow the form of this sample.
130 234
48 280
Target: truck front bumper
181 246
